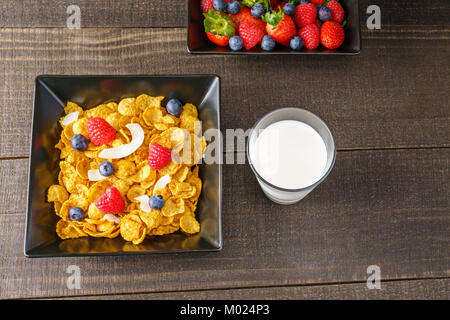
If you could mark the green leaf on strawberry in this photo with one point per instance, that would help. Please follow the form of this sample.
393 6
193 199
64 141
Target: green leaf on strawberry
273 18
219 23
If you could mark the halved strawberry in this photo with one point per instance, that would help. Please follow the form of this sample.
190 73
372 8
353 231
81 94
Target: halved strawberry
280 26
218 27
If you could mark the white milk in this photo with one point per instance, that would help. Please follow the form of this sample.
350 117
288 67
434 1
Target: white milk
289 154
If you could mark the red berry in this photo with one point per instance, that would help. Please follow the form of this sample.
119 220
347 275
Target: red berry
332 35
310 35
219 40
208 4
245 14
305 14
317 2
337 12
158 156
100 131
284 30
111 201
251 35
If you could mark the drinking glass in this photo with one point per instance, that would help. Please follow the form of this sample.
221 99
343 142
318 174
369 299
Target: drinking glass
291 196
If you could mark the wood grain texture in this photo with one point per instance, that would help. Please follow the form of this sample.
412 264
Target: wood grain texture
393 95
173 13
390 290
388 208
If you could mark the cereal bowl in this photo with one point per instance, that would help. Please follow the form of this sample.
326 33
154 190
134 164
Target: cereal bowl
52 93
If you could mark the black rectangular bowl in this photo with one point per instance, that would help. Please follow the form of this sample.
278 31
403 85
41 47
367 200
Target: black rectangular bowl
198 43
51 94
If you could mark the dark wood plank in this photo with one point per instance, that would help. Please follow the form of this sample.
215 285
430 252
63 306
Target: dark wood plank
173 13
393 95
388 208
428 289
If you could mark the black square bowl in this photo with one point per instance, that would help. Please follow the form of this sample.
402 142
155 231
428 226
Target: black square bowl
198 43
51 94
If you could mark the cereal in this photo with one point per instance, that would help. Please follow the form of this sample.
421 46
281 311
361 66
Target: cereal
132 177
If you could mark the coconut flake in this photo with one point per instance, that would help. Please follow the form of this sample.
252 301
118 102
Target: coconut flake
124 150
94 175
162 182
112 218
71 117
144 205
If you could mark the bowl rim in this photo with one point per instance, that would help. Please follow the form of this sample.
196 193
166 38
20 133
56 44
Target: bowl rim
28 252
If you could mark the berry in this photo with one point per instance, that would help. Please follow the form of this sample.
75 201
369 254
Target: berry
233 7
332 35
245 14
257 10
174 107
324 14
106 168
236 43
289 9
100 131
267 43
317 2
158 156
79 142
304 1
111 201
337 12
310 35
280 26
156 202
206 5
218 27
220 5
305 14
251 34
296 43
76 214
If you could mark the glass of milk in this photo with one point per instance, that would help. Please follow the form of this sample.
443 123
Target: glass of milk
291 151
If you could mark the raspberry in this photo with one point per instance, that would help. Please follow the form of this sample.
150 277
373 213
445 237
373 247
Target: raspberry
305 14
158 156
111 201
100 131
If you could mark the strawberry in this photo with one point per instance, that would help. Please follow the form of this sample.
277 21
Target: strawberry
317 2
310 35
337 12
208 4
332 35
251 35
111 201
280 26
158 156
100 131
218 27
245 14
305 14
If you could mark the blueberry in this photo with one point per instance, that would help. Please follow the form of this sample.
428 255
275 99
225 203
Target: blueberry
106 168
257 10
296 43
79 142
76 214
289 9
174 107
220 5
235 43
156 202
267 43
233 7
324 14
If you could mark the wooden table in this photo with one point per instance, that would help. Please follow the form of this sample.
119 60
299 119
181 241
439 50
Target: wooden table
386 203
